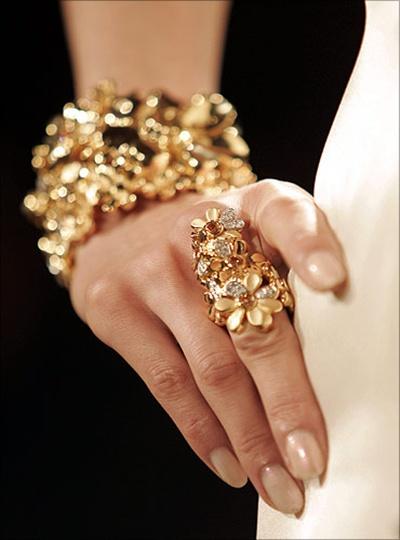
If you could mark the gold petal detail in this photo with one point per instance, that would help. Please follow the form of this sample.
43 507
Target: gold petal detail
252 281
287 300
225 304
236 234
198 223
256 316
235 319
212 214
258 257
270 305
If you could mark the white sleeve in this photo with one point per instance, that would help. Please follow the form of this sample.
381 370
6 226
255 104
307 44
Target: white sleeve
351 342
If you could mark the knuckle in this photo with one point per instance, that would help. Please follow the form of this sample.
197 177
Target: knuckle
143 265
143 276
277 197
289 409
103 306
252 444
167 382
255 346
267 186
218 369
179 235
248 345
197 428
282 204
263 191
100 294
180 226
141 272
278 188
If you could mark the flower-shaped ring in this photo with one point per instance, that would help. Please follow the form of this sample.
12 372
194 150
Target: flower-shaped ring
241 288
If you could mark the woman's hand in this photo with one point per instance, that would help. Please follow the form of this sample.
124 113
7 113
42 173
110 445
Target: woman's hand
243 402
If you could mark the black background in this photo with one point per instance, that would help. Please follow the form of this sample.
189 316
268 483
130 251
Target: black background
86 451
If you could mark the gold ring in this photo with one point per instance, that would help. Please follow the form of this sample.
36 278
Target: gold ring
241 288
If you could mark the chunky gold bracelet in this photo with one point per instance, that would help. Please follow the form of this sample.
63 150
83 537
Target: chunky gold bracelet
106 152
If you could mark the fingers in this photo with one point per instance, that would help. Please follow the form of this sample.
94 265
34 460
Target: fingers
275 362
149 348
230 392
253 395
287 219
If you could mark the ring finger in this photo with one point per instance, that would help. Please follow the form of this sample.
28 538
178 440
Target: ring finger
275 362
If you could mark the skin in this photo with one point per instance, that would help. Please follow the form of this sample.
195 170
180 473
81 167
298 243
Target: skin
139 50
134 286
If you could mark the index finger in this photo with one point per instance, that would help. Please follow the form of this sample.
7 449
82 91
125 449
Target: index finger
288 220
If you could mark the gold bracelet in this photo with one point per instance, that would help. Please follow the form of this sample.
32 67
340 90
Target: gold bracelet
108 151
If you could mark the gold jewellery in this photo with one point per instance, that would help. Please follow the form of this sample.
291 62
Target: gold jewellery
240 287
108 152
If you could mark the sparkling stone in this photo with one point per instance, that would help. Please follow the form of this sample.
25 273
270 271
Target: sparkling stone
212 285
202 267
230 220
222 247
213 288
235 289
268 291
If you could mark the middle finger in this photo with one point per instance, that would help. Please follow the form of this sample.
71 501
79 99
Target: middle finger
228 388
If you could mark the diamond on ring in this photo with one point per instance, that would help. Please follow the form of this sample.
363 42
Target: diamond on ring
242 288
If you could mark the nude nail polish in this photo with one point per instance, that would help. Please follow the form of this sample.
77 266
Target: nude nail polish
304 455
228 467
325 271
283 491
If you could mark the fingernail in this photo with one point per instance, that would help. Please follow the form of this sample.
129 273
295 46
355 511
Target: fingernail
305 458
283 491
228 467
325 270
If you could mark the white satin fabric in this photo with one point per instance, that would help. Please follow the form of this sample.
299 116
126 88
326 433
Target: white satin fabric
351 342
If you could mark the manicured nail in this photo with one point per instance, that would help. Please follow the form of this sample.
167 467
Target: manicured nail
228 467
305 458
325 270
283 491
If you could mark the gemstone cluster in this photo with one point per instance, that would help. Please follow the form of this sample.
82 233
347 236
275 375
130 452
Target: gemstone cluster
241 288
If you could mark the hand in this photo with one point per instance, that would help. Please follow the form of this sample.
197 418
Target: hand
243 402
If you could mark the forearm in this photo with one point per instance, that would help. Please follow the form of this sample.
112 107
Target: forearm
173 45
